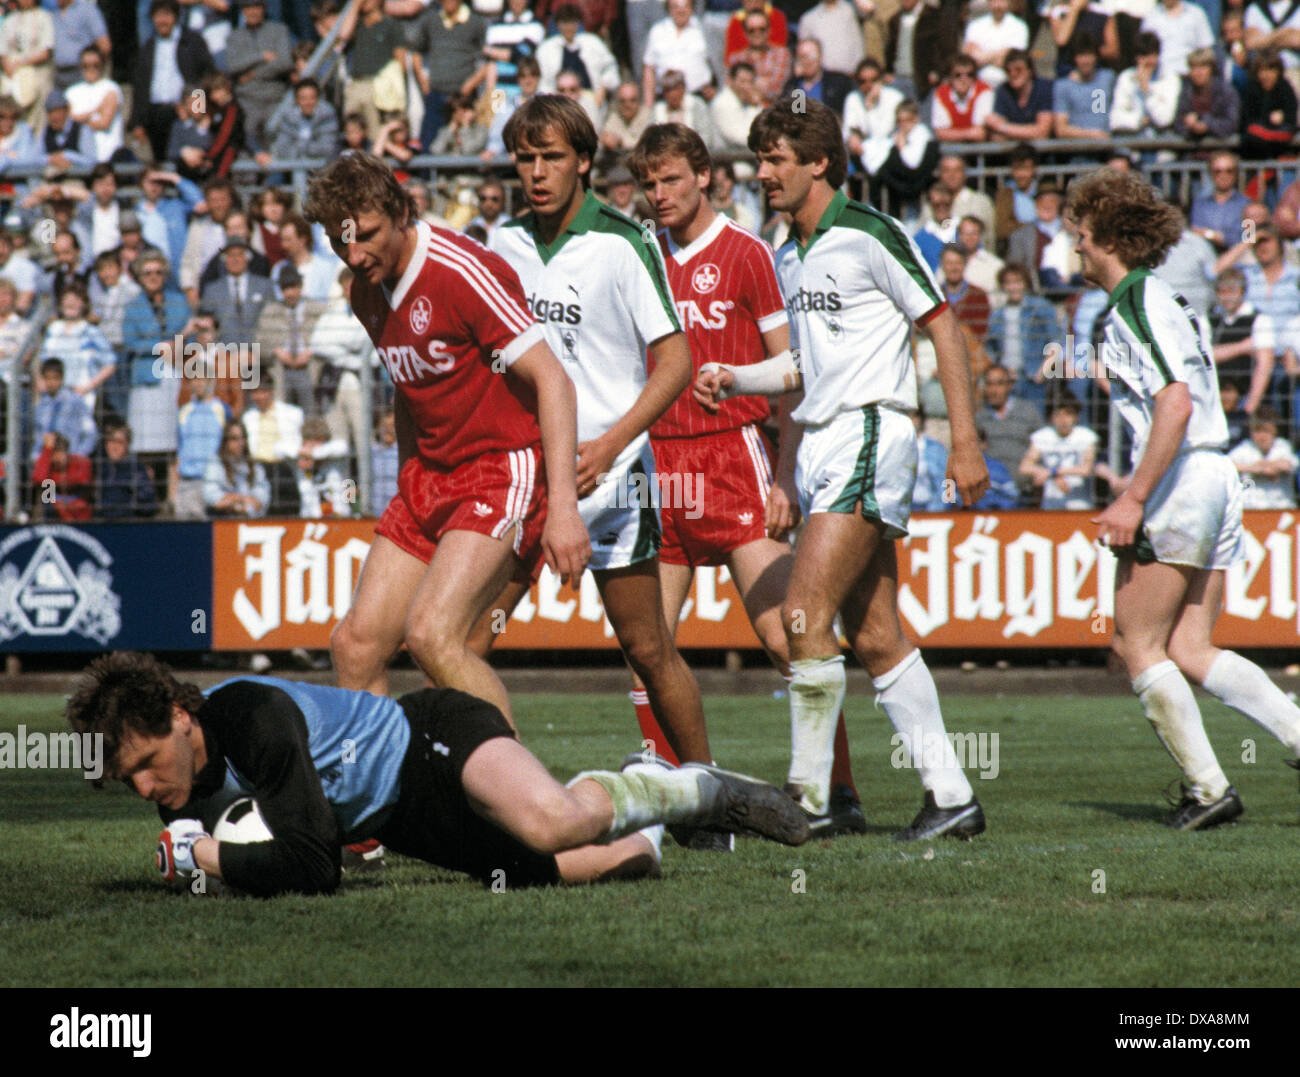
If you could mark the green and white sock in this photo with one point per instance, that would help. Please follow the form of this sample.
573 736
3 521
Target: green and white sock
1247 689
646 794
817 687
1172 711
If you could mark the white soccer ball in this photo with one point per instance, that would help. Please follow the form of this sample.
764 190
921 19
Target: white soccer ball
242 823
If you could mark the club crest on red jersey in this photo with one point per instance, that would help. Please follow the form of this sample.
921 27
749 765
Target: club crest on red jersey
421 314
706 278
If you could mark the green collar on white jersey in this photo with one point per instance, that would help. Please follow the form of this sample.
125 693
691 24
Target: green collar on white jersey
838 201
1130 278
585 220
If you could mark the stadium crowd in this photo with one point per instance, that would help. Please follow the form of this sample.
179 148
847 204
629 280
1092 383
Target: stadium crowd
146 285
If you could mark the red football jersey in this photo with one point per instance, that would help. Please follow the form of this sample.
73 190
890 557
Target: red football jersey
457 308
727 297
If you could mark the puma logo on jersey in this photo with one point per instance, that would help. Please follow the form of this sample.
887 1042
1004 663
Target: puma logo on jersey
405 364
691 317
547 310
804 300
481 509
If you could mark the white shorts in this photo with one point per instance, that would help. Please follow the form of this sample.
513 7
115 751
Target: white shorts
622 514
863 457
1193 516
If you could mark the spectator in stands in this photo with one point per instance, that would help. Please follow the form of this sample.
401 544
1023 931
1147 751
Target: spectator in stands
447 42
323 486
529 75
285 329
722 197
735 108
1145 102
395 143
1189 269
1060 458
741 35
27 56
1070 20
462 135
383 463
238 297
1002 492
921 42
87 356
375 47
356 136
237 227
1081 99
20 269
258 58
1237 419
164 216
938 225
78 25
678 106
123 486
966 202
110 291
1268 110
234 485
224 364
318 271
1041 246
191 135
96 219
573 49
96 100
961 104
1008 420
1235 69
990 38
1207 104
982 266
207 234
340 344
969 302
132 243
626 122
62 482
1242 253
904 164
836 25
310 129
677 43
63 144
515 34
17 143
1232 323
61 410
268 210
1217 216
1182 29
870 111
1022 105
829 87
1024 334
201 425
170 59
13 332
151 325
69 266
931 470
759 46
1266 463
274 428
1273 288
491 207
229 135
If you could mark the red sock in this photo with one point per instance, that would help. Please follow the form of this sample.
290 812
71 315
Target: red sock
650 730
841 765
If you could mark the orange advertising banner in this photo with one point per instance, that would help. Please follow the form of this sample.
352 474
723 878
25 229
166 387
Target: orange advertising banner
966 580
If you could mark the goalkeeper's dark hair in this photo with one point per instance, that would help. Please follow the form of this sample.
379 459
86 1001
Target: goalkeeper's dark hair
128 692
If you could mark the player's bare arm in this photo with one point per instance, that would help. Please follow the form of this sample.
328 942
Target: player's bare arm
564 538
1118 524
670 377
966 465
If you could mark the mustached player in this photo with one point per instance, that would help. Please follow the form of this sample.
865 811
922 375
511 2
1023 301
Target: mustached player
855 285
1177 525
730 305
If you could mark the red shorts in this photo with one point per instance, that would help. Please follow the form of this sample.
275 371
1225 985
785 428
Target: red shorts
729 473
488 494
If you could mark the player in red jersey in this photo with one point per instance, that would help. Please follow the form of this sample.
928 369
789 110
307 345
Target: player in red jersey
730 305
486 421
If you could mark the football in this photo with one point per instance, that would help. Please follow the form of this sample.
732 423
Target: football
242 823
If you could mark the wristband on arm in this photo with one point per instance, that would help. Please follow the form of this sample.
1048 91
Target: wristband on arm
772 377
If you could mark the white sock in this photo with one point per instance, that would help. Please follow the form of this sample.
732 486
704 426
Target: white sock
1171 709
817 688
655 836
645 794
910 699
1246 688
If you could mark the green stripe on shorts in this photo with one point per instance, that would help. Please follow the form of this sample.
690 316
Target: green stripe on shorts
648 536
861 486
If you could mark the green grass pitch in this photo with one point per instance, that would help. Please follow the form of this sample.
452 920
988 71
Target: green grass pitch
1078 793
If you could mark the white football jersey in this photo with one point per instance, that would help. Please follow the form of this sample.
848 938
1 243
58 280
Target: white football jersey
1055 451
1154 337
853 294
600 292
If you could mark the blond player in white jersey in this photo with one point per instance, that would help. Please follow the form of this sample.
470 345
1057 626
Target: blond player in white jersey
855 285
1177 526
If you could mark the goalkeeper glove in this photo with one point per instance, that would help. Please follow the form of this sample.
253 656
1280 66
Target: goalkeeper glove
175 856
